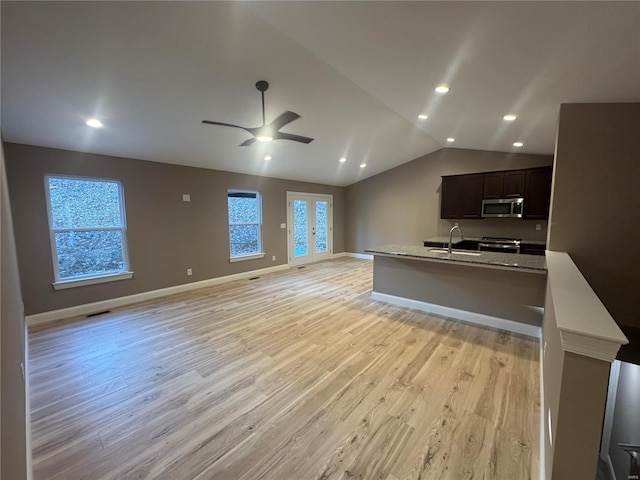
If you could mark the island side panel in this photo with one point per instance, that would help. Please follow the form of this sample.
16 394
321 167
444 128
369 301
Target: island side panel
506 294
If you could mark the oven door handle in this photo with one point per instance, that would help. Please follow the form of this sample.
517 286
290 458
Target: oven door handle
496 245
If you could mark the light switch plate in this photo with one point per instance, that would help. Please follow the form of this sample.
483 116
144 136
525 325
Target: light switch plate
283 225
186 197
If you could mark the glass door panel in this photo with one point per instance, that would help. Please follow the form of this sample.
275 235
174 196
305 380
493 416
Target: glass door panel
300 228
321 230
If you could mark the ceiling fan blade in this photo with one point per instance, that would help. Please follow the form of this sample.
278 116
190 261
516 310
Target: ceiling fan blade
282 120
210 122
290 136
248 142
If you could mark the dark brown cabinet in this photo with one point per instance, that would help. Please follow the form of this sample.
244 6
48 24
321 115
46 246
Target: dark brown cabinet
537 193
509 184
532 248
514 183
461 196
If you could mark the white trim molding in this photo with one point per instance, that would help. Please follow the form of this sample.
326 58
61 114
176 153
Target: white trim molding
464 315
88 308
363 256
81 282
581 344
586 327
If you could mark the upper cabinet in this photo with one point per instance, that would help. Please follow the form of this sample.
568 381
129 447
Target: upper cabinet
509 184
462 195
537 193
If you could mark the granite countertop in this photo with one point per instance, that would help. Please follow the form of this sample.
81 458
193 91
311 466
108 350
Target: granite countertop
512 260
456 239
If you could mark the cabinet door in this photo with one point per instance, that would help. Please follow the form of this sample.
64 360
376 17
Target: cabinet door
472 187
513 185
537 193
451 197
532 248
493 185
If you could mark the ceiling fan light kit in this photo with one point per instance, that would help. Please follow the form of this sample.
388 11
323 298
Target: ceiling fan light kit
270 132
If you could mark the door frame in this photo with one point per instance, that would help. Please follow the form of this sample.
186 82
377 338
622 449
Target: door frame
290 243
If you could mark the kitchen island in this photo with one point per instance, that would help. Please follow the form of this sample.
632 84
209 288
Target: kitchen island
500 290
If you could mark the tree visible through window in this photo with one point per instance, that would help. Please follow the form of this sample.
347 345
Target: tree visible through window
87 226
245 223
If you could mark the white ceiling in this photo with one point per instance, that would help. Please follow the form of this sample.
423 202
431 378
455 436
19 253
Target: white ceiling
358 73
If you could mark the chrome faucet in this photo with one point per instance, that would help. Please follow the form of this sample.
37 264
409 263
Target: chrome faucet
451 235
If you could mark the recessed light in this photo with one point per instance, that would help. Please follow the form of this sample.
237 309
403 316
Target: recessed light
343 159
264 138
94 123
518 144
442 88
362 165
451 139
510 117
267 157
423 116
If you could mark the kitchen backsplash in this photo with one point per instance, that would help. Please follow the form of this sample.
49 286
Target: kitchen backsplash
497 227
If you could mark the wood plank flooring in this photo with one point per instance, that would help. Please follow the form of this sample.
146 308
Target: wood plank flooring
296 375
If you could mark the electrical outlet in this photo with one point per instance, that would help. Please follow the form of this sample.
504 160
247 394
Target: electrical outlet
538 226
283 225
189 272
273 258
186 197
455 224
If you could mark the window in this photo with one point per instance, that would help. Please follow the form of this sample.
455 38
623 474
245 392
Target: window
88 230
245 225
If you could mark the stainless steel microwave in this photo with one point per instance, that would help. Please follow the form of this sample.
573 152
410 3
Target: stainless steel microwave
502 207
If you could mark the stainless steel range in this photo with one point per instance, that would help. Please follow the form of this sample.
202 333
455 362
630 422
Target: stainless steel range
499 244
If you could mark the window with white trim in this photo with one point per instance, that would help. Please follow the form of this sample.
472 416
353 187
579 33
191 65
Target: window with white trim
245 224
87 227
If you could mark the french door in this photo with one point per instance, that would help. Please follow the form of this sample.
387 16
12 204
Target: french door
310 227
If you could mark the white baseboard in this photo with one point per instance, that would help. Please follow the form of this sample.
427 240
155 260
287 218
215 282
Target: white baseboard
27 407
363 256
338 255
87 308
609 463
472 317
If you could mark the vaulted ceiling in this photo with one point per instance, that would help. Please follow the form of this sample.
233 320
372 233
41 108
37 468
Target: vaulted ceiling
358 73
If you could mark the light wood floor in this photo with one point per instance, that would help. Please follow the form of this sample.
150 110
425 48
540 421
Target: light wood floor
297 375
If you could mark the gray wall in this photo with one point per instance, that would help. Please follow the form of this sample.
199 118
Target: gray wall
594 211
13 414
505 294
165 234
626 421
402 205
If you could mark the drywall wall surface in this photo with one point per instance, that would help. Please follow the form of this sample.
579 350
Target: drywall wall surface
165 234
594 210
402 205
13 410
504 294
580 416
626 421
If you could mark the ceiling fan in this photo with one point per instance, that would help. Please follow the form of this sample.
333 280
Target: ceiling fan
267 133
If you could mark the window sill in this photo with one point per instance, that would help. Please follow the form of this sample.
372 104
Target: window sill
246 257
81 282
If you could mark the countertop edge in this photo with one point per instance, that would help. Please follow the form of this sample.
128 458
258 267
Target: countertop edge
393 252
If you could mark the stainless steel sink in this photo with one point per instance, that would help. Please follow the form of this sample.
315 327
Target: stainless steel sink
455 252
